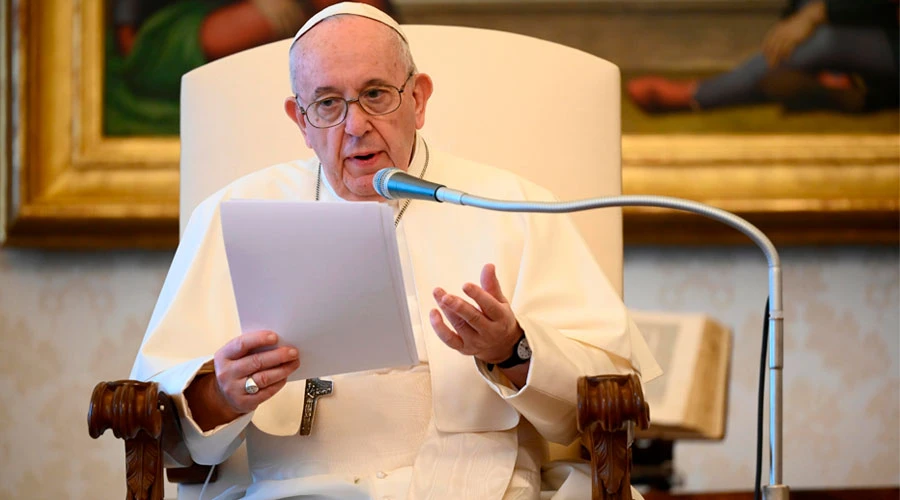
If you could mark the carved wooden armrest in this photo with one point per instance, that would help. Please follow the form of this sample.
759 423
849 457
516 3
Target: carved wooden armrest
148 422
609 407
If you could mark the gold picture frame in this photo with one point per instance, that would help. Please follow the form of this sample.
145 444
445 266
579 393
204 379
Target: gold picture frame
66 185
69 186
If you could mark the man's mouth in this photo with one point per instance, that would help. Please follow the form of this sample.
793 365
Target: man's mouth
364 157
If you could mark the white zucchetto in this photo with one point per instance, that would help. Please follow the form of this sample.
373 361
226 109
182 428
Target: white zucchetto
349 9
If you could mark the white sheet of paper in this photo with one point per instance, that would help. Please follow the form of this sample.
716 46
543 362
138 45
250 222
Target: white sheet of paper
325 277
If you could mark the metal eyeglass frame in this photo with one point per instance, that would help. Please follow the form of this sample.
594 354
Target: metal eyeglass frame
348 102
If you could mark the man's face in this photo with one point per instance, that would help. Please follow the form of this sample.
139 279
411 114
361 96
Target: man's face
341 57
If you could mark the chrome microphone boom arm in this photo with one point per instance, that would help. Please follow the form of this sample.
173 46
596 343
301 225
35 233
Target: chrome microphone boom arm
775 489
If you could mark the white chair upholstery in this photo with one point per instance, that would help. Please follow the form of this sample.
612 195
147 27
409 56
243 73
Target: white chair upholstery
545 111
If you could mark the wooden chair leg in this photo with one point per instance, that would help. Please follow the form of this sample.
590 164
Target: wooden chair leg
609 407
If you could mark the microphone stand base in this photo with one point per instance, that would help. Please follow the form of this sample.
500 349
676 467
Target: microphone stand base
776 492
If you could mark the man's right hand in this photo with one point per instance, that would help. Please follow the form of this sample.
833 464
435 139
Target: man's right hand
219 398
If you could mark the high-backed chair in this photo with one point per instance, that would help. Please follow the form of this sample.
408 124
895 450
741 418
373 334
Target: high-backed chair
548 112
545 111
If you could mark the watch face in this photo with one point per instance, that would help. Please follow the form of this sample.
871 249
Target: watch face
524 350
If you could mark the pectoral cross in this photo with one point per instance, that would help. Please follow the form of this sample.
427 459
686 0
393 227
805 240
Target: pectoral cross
315 388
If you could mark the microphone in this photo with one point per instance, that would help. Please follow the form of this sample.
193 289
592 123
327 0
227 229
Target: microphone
393 183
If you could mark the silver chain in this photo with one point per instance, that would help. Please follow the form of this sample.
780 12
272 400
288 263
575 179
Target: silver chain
405 203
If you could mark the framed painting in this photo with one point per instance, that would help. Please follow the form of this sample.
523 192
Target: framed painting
68 184
807 148
803 176
76 173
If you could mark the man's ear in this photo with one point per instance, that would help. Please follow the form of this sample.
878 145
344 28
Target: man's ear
422 89
292 109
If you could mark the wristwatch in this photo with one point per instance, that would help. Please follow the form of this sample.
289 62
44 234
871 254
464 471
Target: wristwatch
520 355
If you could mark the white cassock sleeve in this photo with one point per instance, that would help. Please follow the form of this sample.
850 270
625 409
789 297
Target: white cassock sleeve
194 316
575 323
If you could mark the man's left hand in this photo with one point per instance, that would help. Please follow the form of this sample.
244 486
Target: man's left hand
489 331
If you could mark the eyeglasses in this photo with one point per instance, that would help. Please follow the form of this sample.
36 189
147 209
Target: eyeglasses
332 111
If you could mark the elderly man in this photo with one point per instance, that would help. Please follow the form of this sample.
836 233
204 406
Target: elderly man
497 377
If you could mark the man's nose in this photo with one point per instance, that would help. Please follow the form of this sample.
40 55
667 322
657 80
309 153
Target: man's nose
358 121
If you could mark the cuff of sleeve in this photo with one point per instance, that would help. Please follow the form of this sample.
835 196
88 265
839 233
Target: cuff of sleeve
548 398
497 381
209 447
215 445
539 354
549 371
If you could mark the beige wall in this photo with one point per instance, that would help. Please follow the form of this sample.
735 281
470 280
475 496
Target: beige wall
69 320
842 358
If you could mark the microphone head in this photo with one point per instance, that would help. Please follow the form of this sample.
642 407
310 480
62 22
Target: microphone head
380 181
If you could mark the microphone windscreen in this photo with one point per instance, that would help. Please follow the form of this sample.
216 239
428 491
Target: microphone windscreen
380 181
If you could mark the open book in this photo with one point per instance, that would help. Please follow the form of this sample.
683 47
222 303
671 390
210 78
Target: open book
689 400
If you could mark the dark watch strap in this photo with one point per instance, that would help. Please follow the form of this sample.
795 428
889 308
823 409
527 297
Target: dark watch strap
515 359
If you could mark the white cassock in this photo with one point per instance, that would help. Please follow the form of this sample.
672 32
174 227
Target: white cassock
448 428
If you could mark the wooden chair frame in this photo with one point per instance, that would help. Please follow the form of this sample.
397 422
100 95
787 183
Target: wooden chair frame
610 407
